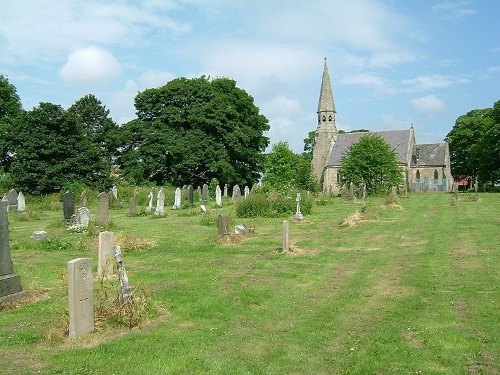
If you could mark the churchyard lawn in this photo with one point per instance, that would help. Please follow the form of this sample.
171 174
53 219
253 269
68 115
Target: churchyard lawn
405 291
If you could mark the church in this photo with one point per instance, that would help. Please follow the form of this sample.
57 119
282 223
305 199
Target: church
425 167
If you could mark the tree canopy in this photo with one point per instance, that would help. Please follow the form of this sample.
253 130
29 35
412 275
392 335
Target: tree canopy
192 130
371 162
474 145
53 152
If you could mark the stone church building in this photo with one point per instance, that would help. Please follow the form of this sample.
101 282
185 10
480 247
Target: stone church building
425 167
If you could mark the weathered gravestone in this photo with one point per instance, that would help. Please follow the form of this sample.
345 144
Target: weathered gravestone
218 196
133 206
68 207
246 191
190 194
226 188
21 202
84 197
80 297
103 209
125 287
344 193
151 195
105 255
286 235
83 217
351 191
198 189
223 225
204 193
114 191
236 193
160 203
177 199
10 284
12 197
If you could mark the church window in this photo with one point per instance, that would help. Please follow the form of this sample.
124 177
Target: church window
338 178
417 175
436 176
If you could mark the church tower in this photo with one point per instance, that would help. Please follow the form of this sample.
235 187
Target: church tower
326 132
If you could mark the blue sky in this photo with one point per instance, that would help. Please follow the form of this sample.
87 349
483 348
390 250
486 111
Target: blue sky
392 63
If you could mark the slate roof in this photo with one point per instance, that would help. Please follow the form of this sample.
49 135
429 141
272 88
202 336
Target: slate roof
430 154
398 139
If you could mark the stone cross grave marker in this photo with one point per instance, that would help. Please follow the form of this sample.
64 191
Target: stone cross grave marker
218 196
80 297
103 209
298 215
133 206
105 254
286 235
68 207
21 202
10 284
160 203
204 193
12 197
177 199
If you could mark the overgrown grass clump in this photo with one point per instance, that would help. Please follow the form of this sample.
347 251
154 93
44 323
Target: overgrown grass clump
272 204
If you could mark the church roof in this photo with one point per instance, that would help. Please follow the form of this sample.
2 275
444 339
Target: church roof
326 95
429 154
397 139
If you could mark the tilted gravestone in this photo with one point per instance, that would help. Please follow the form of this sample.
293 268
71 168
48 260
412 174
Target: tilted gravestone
10 284
126 290
80 297
68 207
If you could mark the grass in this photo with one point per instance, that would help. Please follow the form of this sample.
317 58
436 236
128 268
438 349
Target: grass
405 291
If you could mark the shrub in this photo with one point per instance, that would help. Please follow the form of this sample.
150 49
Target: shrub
272 204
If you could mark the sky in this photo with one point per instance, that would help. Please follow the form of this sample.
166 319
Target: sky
393 64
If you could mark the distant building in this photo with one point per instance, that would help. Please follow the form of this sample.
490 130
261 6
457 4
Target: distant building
426 167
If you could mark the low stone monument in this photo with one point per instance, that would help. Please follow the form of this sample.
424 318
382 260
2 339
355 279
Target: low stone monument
10 284
83 217
80 297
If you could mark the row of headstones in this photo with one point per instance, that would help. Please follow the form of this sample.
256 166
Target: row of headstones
81 284
16 201
83 216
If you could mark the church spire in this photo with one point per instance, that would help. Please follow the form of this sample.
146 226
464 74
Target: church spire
326 103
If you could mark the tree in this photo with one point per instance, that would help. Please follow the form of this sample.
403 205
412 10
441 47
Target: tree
192 130
284 169
97 125
371 162
10 108
309 143
53 151
474 144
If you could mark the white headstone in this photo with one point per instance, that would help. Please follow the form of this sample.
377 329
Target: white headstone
247 191
177 199
149 209
83 217
21 202
105 255
114 191
160 203
80 297
218 196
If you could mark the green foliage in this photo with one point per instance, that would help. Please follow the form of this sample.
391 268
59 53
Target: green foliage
285 170
474 145
309 143
371 162
272 204
213 186
192 130
53 151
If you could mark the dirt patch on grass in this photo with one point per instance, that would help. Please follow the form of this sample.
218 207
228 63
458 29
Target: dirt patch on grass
462 250
412 338
14 361
486 365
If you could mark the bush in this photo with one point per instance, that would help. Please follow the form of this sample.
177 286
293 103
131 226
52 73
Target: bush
272 204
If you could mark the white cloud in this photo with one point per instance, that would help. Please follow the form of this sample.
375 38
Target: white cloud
434 81
454 9
90 66
155 78
280 106
122 102
428 105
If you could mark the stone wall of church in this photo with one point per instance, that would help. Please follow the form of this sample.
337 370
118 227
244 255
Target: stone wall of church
430 179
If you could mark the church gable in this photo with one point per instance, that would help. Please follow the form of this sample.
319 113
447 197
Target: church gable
429 154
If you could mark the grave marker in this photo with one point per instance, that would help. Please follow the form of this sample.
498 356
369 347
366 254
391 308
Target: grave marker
160 203
21 202
204 193
84 197
105 254
223 225
177 199
286 235
68 207
12 197
133 206
80 297
83 217
218 196
103 209
190 194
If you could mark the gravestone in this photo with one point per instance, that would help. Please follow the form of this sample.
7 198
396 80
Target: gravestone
190 194
344 193
105 254
351 191
160 203
246 191
226 188
84 197
83 217
298 215
218 196
151 195
21 202
286 235
114 191
126 290
223 225
10 284
177 199
204 193
103 208
12 197
80 297
198 189
203 209
133 206
68 207
236 193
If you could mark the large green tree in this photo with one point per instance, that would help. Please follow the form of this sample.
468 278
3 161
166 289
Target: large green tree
371 162
284 169
52 151
97 125
10 109
192 130
474 145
